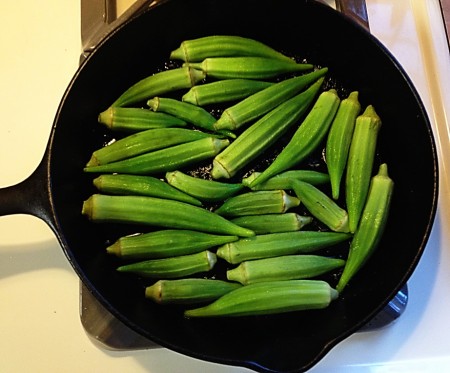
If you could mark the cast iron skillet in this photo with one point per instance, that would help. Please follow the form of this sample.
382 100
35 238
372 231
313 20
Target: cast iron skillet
302 28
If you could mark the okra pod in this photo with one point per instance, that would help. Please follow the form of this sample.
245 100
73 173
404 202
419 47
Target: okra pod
321 206
307 138
271 297
263 133
128 119
360 164
202 189
285 179
144 142
176 267
188 290
141 186
277 244
371 227
190 113
265 100
257 203
159 213
222 91
160 83
163 160
247 67
166 243
223 45
339 139
273 223
287 267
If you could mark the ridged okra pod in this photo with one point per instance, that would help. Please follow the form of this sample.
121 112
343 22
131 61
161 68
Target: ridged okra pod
141 186
287 267
339 139
159 213
360 163
128 119
166 243
188 290
286 179
273 223
257 203
222 91
270 297
190 113
321 206
202 189
247 67
371 227
265 100
163 160
144 142
176 267
158 84
263 134
307 138
224 45
277 244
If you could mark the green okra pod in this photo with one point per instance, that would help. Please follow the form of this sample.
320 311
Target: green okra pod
166 243
263 133
188 290
257 203
339 139
287 267
160 83
144 142
307 138
321 206
128 119
285 179
360 163
175 267
141 186
270 297
224 45
277 244
273 223
190 113
163 160
371 227
202 189
222 91
158 212
247 67
259 103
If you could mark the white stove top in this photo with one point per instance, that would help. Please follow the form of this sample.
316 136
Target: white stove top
39 292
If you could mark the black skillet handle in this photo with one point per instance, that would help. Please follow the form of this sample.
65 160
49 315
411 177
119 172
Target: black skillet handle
31 196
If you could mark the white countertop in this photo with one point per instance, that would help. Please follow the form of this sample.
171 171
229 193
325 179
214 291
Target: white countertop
39 292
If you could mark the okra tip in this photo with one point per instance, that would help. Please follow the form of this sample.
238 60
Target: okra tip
114 249
106 117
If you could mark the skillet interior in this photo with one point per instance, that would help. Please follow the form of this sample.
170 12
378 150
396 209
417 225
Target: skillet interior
291 342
